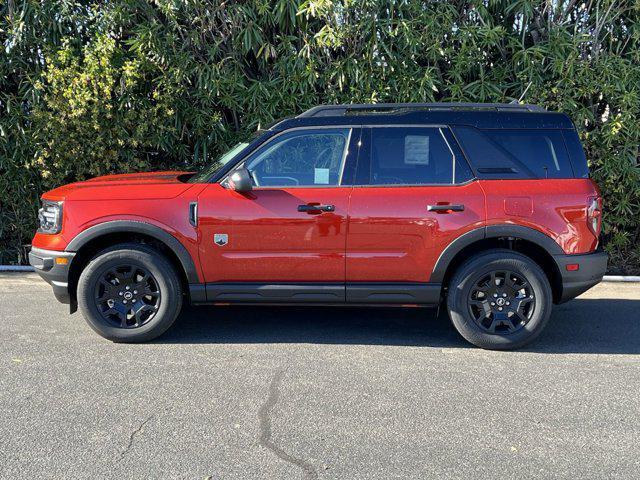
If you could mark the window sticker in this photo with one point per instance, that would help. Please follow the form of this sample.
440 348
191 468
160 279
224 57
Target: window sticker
321 176
416 150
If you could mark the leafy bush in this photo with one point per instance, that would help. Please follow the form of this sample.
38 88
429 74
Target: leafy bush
91 87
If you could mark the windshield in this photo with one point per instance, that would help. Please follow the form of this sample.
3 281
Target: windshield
217 164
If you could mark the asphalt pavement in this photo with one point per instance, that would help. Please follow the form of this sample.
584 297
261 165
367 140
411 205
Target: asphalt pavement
326 393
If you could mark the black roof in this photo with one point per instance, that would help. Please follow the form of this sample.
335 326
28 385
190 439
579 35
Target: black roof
479 115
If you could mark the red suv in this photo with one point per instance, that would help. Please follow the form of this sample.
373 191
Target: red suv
487 207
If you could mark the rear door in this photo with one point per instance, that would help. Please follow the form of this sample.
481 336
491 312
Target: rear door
414 194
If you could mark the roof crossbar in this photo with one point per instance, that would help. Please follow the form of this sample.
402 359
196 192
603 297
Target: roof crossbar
373 108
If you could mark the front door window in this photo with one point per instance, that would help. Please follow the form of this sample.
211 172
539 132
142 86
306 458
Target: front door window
301 158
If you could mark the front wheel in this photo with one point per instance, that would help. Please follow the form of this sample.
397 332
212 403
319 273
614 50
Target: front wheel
129 293
499 300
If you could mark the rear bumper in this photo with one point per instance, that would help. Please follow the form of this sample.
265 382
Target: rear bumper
55 274
592 267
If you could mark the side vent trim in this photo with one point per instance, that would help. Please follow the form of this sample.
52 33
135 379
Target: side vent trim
193 214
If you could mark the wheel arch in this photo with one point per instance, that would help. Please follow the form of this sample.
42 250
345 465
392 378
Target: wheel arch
536 245
94 239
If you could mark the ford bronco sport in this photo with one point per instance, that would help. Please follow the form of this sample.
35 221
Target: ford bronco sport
487 208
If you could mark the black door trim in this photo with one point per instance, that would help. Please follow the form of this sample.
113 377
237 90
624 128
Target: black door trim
317 293
274 292
410 293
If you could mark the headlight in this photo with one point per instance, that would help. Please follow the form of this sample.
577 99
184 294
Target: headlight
50 217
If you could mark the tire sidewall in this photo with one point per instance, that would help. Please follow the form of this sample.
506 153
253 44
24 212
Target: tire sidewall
464 281
157 266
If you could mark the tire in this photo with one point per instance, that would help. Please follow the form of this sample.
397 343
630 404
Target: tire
493 278
109 281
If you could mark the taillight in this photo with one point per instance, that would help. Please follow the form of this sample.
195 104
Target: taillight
594 214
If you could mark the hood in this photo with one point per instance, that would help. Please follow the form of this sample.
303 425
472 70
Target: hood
129 186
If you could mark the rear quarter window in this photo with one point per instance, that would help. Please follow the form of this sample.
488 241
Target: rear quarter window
543 152
576 153
519 153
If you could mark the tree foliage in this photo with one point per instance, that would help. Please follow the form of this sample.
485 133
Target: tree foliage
92 87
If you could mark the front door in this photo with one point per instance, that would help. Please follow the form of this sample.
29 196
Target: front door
285 240
414 195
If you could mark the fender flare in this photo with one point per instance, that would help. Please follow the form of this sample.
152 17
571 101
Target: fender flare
133 226
491 231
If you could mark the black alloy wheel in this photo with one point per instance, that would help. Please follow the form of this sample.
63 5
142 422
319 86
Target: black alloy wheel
130 292
499 299
127 296
501 302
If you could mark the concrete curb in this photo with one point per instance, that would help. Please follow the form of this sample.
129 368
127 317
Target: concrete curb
607 278
621 278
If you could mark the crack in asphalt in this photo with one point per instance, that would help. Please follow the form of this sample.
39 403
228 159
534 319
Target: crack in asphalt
132 436
264 416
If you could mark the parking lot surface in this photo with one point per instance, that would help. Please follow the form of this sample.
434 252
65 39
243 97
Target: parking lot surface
305 393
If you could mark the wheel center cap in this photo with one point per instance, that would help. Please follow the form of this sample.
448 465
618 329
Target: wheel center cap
129 296
500 301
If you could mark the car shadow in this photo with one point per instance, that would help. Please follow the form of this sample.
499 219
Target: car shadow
581 326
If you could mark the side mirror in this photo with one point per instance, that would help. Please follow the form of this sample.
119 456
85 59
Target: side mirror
240 180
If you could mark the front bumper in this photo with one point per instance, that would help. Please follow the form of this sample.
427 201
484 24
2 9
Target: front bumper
54 273
592 267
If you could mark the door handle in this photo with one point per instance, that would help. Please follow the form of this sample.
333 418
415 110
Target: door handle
445 208
316 208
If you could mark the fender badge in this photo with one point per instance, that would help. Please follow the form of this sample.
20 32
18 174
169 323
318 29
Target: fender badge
220 239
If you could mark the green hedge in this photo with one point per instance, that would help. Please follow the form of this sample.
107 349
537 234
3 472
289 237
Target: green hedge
93 87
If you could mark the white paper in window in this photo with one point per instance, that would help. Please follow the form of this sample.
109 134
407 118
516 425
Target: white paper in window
416 150
321 176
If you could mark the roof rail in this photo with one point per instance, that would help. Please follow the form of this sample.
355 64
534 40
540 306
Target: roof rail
372 108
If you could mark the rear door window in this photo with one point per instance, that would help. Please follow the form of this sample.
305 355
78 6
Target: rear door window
543 152
410 156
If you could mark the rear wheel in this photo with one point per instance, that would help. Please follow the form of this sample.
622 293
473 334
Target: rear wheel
499 300
129 293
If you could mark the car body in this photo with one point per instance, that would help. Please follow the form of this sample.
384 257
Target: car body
350 204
